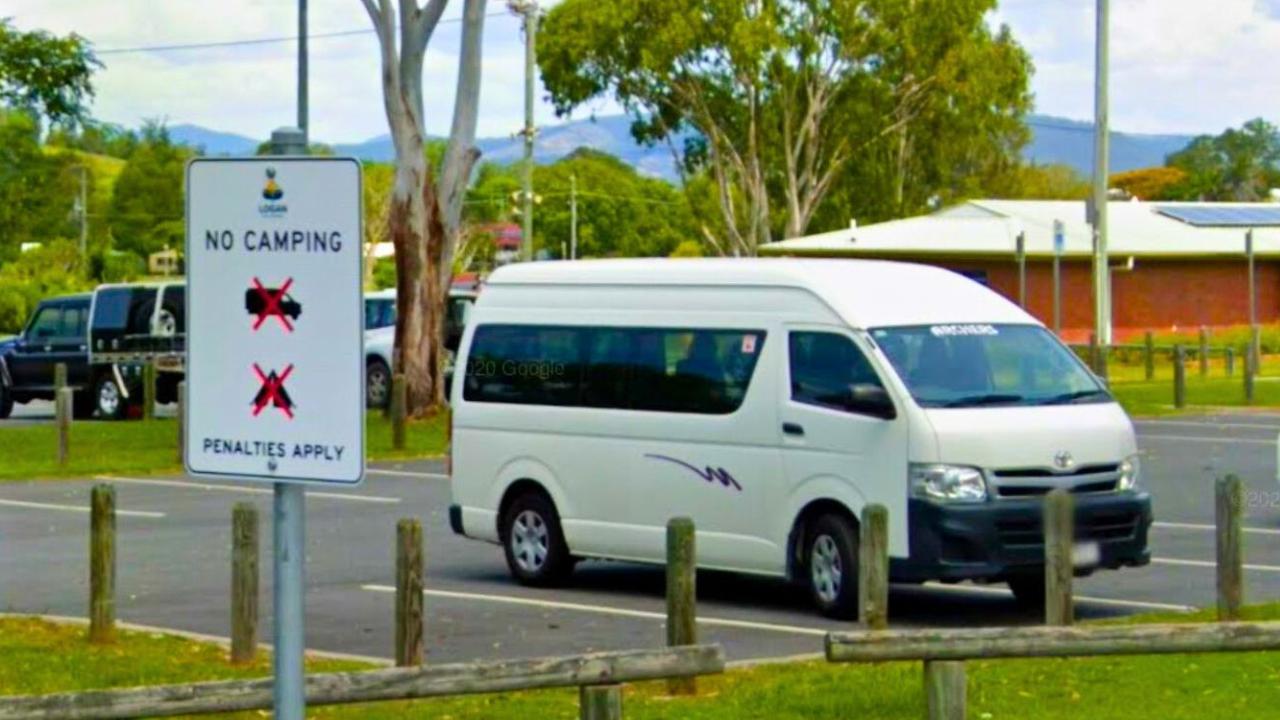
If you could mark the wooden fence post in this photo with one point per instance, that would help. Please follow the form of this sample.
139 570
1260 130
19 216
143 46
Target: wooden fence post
1059 518
682 628
1228 509
244 582
409 595
149 391
873 568
102 564
399 410
1204 351
182 422
1230 354
1150 355
62 408
944 688
1179 377
59 376
1250 367
600 702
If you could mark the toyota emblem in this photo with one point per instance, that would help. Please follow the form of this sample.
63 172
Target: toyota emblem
1063 460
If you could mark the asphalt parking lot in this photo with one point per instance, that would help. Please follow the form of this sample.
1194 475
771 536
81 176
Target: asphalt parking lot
174 570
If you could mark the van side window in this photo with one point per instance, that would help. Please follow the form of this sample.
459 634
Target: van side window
658 369
824 366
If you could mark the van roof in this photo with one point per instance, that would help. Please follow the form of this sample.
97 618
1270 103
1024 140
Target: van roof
866 293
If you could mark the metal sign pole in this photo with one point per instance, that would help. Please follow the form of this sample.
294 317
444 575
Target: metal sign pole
288 516
1254 353
1022 270
1059 240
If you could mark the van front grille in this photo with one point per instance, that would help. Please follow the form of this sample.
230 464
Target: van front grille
1033 482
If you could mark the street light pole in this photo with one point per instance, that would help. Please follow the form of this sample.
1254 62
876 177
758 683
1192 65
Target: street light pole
529 9
1101 149
302 71
573 217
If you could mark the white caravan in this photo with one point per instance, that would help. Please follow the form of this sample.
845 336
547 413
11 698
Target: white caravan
771 400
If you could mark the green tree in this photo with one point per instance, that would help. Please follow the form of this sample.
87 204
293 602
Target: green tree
775 102
1238 165
1153 183
146 204
37 189
55 268
45 74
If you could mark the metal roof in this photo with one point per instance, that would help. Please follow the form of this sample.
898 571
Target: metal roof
991 227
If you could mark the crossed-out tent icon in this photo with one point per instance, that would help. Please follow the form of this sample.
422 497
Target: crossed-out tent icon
272 392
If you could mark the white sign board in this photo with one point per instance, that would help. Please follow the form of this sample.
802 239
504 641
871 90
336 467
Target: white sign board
275 320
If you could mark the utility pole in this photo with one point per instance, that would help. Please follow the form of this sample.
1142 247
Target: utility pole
1101 149
83 210
302 71
528 9
573 217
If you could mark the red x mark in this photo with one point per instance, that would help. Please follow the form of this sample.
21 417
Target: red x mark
272 391
271 304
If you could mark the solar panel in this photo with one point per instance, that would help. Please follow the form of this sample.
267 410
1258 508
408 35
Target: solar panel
1220 216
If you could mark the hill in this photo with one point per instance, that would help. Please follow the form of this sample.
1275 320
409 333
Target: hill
1070 142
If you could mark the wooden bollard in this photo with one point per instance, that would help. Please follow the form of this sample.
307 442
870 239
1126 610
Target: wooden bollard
682 627
873 568
102 564
1149 355
944 688
1250 368
62 408
244 582
1229 355
1204 351
1059 571
1179 377
1228 509
59 376
600 702
182 422
409 593
148 391
399 410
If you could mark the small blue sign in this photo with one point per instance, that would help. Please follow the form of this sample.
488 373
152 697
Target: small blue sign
1059 237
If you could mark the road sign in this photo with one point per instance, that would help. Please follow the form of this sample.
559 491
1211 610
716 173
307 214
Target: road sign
275 320
1059 237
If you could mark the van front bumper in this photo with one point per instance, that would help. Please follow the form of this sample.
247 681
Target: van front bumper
997 539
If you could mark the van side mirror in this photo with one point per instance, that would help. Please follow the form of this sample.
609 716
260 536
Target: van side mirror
870 399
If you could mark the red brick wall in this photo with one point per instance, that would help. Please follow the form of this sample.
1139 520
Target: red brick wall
1156 295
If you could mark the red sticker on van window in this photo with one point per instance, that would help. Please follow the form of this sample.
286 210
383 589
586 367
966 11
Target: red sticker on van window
748 344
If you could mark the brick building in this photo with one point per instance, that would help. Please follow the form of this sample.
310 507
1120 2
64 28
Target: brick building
1166 273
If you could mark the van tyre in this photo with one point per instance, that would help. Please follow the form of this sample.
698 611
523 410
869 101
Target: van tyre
831 563
108 399
377 380
1028 590
534 543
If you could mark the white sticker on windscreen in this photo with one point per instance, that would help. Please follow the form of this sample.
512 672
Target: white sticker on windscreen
954 330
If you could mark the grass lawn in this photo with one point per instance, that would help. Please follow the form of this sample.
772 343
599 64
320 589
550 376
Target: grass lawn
147 447
1156 398
37 657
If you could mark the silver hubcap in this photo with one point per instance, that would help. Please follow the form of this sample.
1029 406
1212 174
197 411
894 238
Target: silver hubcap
377 387
529 541
826 567
108 398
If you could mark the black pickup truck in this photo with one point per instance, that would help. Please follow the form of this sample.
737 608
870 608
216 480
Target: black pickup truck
104 338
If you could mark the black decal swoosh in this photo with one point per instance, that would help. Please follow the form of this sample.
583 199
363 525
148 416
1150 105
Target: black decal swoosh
709 473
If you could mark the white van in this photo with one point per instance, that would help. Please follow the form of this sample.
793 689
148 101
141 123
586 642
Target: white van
770 400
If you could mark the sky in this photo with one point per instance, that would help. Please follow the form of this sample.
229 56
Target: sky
1178 66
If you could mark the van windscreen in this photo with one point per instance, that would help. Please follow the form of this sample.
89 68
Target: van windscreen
983 365
660 369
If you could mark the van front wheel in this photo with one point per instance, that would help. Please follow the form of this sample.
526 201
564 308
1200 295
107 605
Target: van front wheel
831 556
534 543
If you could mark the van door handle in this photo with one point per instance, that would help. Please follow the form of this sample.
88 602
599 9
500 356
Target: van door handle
792 428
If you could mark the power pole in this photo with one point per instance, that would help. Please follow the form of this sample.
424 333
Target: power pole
1101 150
84 210
573 217
528 9
302 71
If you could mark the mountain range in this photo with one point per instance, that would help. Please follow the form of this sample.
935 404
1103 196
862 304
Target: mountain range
1054 140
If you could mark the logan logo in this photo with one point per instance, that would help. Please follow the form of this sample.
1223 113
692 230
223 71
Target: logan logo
709 473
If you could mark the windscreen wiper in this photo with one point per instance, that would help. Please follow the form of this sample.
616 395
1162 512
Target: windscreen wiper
988 399
1071 396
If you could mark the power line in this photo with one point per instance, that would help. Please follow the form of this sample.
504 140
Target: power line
256 41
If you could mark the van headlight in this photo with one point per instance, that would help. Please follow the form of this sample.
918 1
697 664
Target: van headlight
1130 470
947 483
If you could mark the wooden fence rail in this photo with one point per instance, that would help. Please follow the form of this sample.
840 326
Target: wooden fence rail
376 685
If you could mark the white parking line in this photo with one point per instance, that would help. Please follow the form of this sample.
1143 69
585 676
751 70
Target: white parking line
1188 423
604 610
1210 564
77 508
1209 528
1143 437
406 473
256 489
1136 604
